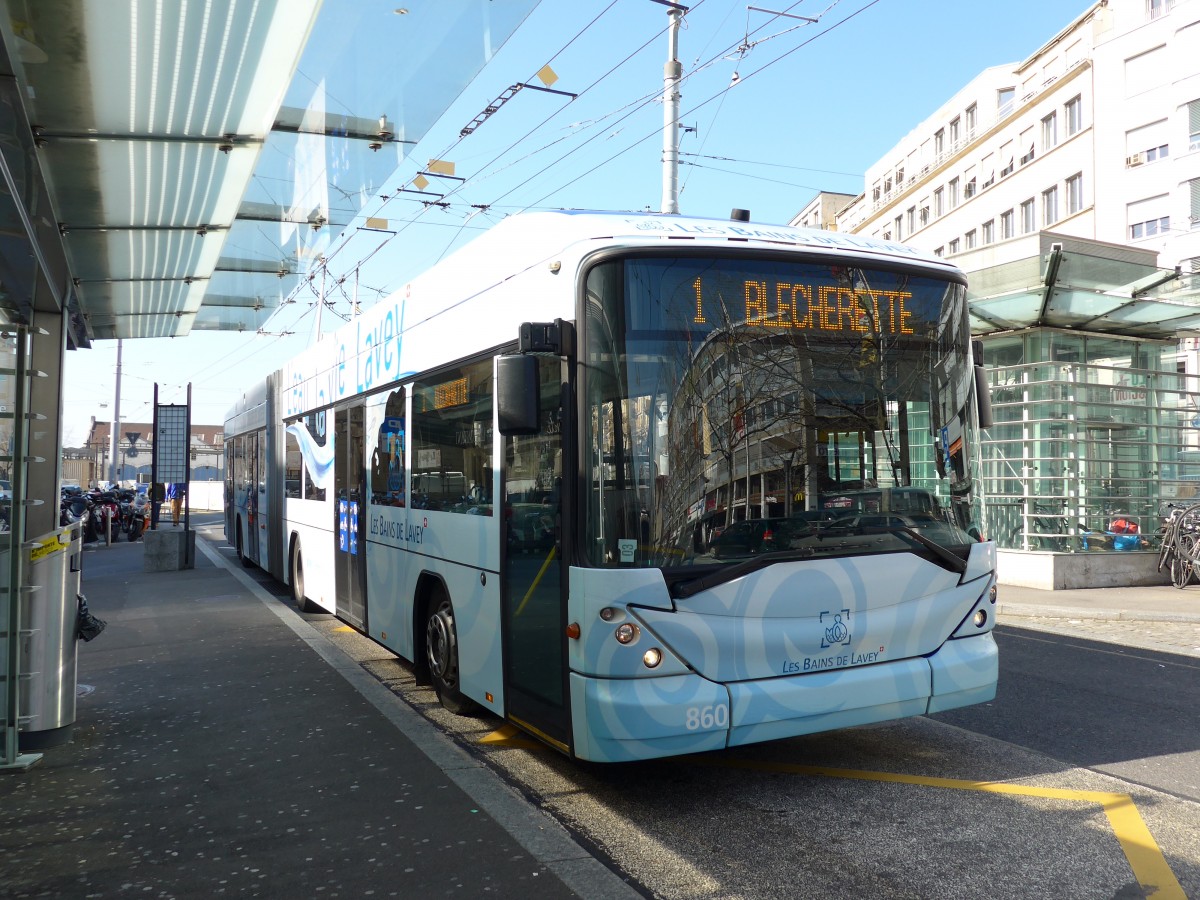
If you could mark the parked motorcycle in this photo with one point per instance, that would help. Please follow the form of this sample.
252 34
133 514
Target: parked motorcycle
135 514
76 508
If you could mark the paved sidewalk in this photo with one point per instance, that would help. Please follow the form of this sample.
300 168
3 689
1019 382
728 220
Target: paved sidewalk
1157 603
223 747
1162 619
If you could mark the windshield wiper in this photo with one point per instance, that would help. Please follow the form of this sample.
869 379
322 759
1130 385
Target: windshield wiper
951 559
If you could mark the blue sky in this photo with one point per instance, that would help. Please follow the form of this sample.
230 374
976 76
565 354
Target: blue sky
813 106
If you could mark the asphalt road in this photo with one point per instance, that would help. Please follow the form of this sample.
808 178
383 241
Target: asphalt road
1125 711
1005 800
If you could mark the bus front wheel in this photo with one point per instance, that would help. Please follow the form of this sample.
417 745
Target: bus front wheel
441 650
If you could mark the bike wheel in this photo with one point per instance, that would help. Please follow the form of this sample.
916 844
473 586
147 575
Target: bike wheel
1166 537
1181 571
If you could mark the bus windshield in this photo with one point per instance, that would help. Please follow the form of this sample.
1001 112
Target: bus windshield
740 406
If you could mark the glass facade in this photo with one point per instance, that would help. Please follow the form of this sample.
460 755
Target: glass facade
1089 430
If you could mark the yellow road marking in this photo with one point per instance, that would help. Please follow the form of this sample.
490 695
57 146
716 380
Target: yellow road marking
510 736
1145 858
343 628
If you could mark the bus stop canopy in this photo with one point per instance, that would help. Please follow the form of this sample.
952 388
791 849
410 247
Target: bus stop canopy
187 164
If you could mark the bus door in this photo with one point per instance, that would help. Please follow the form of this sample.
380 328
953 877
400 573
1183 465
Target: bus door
534 593
349 512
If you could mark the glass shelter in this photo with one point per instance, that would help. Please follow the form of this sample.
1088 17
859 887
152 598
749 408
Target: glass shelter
1097 417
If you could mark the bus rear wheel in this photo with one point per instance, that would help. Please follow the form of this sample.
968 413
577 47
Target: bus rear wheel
242 557
441 650
302 602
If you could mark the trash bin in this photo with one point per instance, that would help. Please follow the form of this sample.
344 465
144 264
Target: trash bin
47 655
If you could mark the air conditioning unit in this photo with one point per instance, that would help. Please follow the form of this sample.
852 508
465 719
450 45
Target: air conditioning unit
1136 160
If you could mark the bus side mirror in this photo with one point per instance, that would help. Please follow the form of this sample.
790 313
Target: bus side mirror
517 395
983 397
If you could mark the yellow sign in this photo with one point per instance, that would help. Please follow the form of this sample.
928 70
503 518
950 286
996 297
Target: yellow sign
53 544
808 307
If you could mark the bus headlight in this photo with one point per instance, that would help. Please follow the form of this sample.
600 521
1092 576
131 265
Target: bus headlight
652 657
627 633
980 618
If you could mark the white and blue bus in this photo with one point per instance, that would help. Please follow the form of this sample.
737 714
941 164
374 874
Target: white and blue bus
642 485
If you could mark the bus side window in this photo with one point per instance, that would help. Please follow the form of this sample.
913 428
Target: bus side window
315 423
452 441
387 458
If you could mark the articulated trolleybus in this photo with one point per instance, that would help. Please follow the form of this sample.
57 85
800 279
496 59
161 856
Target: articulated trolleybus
642 485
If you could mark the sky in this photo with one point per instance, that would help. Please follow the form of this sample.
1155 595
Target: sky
774 109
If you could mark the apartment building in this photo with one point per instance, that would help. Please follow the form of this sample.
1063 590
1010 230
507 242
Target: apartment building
1067 186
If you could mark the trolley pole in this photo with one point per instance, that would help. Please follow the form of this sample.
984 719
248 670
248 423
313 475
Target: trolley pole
671 75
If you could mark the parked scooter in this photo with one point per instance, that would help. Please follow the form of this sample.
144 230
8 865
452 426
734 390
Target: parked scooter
77 508
106 513
135 515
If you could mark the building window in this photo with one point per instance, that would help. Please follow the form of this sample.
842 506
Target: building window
1156 8
900 176
954 134
1050 206
969 238
939 251
953 193
1074 193
1194 214
972 120
899 230
1073 112
939 143
1004 101
1050 131
912 219
1006 157
1028 217
1006 225
887 185
1153 153
1028 157
924 216
1149 217
954 246
969 190
989 231
1150 227
1194 125
939 206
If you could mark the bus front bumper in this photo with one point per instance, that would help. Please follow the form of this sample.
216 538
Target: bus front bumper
622 720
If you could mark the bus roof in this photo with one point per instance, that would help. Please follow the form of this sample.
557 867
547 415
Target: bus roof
544 231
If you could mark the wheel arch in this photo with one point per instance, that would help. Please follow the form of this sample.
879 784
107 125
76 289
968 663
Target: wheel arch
428 585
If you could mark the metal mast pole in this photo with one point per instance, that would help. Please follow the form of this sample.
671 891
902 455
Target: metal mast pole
671 74
113 436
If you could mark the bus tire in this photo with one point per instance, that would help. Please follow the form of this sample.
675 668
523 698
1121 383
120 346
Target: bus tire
242 558
441 650
297 576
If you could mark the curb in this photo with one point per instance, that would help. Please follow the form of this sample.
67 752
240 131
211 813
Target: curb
1025 611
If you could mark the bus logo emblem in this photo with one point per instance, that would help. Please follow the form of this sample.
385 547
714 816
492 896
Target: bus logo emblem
837 628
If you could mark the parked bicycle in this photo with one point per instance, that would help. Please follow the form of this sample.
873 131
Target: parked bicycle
1180 544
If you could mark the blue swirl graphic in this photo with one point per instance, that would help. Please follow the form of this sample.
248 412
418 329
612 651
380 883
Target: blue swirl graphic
318 459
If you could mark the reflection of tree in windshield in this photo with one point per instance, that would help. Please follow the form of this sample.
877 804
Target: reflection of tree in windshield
722 390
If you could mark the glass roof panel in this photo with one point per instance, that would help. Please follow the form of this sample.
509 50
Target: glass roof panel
153 114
